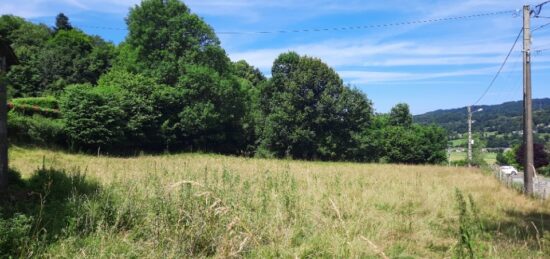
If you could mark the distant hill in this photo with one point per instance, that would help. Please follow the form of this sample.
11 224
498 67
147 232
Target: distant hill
502 118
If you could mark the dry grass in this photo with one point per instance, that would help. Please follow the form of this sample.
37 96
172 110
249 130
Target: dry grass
279 208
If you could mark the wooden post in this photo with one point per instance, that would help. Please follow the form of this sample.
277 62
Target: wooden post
3 125
527 105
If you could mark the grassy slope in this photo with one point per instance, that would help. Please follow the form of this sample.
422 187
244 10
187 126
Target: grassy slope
208 205
490 158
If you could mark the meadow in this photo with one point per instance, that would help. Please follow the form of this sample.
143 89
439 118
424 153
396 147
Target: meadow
489 157
197 205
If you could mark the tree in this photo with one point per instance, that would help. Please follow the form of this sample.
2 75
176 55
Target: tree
8 25
140 107
478 159
62 23
212 111
243 70
167 37
203 112
415 144
308 112
72 57
540 155
29 41
251 81
400 115
50 61
501 159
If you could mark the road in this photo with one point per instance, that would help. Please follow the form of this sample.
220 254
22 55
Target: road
541 188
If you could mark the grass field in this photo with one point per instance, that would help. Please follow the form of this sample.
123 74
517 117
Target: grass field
192 205
490 158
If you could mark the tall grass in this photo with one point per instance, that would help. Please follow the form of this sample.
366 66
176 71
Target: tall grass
215 206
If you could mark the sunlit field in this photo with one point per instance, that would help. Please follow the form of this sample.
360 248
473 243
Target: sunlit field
490 158
193 205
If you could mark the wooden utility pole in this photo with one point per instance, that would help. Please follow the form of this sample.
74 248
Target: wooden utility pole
528 165
469 136
7 59
3 123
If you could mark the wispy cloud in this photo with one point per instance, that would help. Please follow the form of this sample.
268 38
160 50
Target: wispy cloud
370 77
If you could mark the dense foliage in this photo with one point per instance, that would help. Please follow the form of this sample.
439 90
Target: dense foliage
170 86
308 112
540 157
51 59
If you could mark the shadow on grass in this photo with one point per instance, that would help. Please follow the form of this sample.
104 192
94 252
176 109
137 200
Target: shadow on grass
34 212
530 228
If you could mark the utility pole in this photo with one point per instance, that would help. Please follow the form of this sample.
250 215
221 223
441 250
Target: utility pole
3 125
469 136
7 59
527 105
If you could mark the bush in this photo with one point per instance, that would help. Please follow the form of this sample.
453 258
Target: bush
36 129
139 105
45 106
415 145
48 102
14 235
544 171
93 116
540 156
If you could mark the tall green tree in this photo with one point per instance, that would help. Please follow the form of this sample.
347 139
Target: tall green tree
167 37
251 81
309 113
243 70
62 23
73 57
50 61
400 115
28 41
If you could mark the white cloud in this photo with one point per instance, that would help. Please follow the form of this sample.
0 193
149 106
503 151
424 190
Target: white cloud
369 77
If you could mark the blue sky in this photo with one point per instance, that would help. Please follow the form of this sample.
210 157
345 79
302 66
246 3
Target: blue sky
429 66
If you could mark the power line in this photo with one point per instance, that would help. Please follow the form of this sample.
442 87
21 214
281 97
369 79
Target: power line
540 27
345 28
538 51
376 25
500 69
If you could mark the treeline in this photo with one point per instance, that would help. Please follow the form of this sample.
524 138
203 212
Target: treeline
170 86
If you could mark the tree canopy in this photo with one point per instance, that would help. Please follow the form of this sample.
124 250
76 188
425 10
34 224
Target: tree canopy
170 86
62 23
400 115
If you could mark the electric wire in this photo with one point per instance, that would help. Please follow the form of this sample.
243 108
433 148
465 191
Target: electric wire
540 27
538 51
345 28
500 69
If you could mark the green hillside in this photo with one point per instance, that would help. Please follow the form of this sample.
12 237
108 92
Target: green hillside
502 118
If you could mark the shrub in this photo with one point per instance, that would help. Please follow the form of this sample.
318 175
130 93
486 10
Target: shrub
544 171
14 235
36 129
143 126
539 154
93 116
45 106
48 102
415 145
